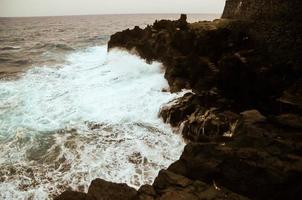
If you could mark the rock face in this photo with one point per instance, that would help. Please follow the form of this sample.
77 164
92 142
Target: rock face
262 9
276 24
243 118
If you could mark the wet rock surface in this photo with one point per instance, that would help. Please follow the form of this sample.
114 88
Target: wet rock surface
243 118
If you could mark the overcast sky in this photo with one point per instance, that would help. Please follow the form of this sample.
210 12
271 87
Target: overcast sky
9 8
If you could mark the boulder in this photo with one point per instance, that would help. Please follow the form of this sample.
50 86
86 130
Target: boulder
71 195
210 123
178 110
103 190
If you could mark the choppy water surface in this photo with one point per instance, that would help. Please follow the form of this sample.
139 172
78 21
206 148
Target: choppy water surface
78 112
46 40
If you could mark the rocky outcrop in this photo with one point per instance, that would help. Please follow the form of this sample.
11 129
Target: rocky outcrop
101 190
203 117
243 118
241 151
167 186
249 171
275 24
262 10
241 60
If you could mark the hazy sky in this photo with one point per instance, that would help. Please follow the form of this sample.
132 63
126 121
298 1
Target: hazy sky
10 8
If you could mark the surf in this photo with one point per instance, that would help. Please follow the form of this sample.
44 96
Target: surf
95 116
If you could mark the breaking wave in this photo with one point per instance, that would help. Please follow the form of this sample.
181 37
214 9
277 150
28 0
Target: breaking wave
95 116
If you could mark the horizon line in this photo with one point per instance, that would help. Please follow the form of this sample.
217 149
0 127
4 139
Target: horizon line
73 15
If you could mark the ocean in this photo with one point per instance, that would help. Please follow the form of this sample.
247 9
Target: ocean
71 112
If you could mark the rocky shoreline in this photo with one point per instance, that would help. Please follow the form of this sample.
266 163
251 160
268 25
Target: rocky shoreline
243 119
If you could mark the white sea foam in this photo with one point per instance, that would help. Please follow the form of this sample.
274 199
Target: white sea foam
96 116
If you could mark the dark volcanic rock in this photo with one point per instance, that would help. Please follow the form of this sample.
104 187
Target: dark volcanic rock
103 190
243 118
167 42
204 125
232 66
169 185
179 109
203 118
247 60
276 25
70 195
258 174
262 9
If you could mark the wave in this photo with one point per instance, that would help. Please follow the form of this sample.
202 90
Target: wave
96 116
12 59
10 48
53 46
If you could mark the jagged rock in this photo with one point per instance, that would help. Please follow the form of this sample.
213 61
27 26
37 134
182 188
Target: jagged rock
261 9
240 58
70 195
180 109
101 190
166 178
173 186
177 45
212 123
240 169
177 111
146 192
204 117
104 190
270 19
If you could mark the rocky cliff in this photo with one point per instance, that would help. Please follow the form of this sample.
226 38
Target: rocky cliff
275 23
243 119
262 10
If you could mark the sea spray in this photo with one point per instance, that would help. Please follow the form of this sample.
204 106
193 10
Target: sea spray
95 116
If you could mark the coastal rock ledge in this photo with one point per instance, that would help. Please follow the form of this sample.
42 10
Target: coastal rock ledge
243 119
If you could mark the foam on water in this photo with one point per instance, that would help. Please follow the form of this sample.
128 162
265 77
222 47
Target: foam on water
95 116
